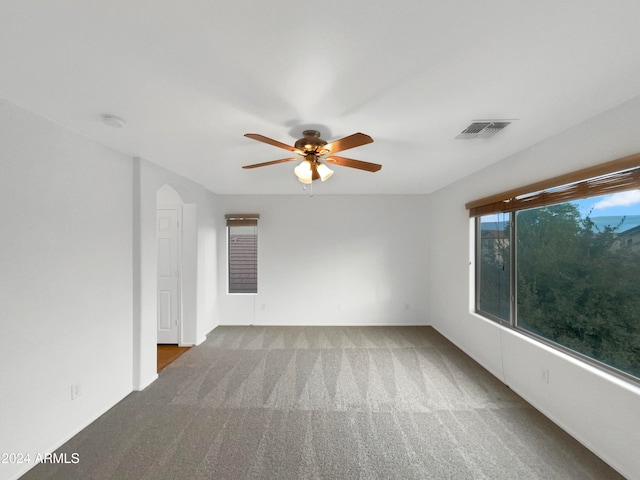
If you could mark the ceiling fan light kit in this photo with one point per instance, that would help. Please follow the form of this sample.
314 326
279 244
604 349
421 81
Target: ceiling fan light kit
303 172
313 149
324 172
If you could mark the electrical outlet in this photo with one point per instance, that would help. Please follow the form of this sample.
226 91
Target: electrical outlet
545 375
263 307
75 391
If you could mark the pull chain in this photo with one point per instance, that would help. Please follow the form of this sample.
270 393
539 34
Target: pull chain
304 187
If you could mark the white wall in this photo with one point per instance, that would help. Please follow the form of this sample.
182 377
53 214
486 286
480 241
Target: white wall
597 409
332 260
78 284
65 283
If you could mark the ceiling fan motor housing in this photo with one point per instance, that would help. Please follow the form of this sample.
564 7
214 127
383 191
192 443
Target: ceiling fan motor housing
310 142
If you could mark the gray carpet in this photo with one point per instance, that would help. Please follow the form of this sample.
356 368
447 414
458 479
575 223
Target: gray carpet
325 403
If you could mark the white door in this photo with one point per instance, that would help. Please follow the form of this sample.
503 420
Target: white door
169 274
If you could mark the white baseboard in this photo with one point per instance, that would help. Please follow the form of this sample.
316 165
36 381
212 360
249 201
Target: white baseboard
144 384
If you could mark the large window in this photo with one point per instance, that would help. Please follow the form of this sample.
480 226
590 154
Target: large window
242 258
566 269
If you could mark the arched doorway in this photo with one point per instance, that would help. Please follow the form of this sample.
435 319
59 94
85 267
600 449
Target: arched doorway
176 236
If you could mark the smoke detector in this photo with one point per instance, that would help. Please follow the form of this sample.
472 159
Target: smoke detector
483 129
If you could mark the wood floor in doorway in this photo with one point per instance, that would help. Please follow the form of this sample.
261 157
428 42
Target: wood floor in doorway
168 354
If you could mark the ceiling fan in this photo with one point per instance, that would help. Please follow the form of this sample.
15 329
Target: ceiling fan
314 150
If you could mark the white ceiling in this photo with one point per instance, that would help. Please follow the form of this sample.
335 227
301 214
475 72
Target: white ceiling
191 77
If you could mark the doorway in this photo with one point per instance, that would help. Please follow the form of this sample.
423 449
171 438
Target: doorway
169 286
176 237
145 272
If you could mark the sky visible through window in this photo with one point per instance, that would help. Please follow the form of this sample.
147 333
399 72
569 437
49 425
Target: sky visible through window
609 209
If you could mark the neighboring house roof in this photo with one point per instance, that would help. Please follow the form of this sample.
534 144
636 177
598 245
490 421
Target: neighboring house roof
631 232
493 234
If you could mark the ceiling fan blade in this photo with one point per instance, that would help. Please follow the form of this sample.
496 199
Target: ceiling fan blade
351 141
271 141
348 162
273 162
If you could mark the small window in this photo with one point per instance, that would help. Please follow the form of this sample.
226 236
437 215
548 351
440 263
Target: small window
242 253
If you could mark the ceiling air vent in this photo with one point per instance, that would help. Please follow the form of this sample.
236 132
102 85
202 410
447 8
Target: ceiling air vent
482 129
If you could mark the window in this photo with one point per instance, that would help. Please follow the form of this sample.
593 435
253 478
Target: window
242 257
562 265
493 266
